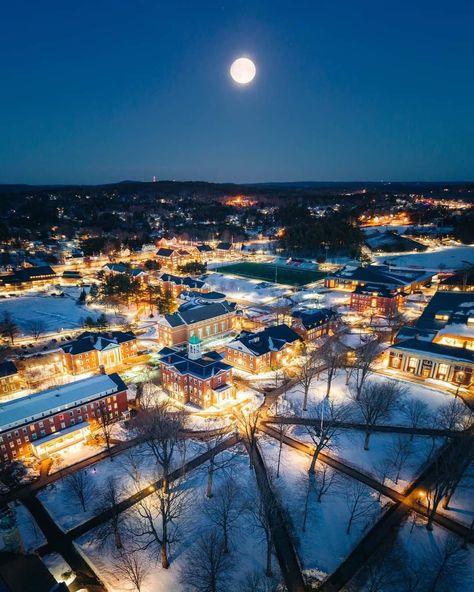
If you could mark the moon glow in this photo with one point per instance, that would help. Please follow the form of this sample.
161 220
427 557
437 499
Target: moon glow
243 70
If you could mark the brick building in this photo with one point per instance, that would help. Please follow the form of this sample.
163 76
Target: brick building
194 377
204 320
92 351
311 325
377 299
171 258
51 420
264 350
178 284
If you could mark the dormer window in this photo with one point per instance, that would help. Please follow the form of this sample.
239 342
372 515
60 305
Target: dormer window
443 315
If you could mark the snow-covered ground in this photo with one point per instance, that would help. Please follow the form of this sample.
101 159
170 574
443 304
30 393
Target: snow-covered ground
64 507
31 534
349 447
60 570
54 312
450 258
416 558
461 506
340 393
247 548
324 543
236 288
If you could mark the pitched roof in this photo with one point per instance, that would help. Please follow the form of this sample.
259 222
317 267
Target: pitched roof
90 340
199 312
460 354
311 319
204 248
7 368
28 274
270 339
457 306
164 252
380 274
210 364
224 246
181 281
379 289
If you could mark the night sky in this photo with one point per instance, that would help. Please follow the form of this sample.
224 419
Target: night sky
104 90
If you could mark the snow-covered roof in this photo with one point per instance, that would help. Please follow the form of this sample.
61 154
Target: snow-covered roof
35 407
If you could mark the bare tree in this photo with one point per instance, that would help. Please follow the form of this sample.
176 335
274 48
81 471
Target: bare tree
218 461
447 566
108 501
364 362
104 422
324 480
332 356
418 414
8 327
247 424
255 581
325 428
383 469
36 327
80 486
395 321
263 511
454 416
306 374
225 509
133 567
160 429
208 566
358 502
376 402
155 521
401 451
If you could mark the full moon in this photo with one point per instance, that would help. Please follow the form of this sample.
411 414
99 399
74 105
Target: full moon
243 70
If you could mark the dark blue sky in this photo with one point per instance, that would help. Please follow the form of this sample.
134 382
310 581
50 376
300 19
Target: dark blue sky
104 90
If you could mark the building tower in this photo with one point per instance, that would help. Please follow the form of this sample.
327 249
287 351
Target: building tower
194 348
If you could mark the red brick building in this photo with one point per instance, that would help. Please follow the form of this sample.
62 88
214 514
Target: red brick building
312 325
376 299
92 351
197 378
46 422
264 350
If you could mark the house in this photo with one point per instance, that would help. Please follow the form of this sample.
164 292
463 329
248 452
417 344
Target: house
193 377
48 421
28 277
93 351
376 299
9 378
427 359
311 325
349 277
122 268
178 284
172 258
264 350
206 320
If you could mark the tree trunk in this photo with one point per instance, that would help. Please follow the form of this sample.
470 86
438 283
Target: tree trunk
210 475
226 540
118 539
305 400
366 441
164 556
269 571
313 462
279 458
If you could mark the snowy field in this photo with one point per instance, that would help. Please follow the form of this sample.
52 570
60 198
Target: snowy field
54 312
64 506
382 454
247 547
418 558
236 288
461 506
340 393
450 258
324 543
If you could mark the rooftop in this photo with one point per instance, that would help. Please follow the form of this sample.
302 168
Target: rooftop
43 404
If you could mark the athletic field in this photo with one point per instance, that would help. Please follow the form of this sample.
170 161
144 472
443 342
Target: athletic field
266 271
